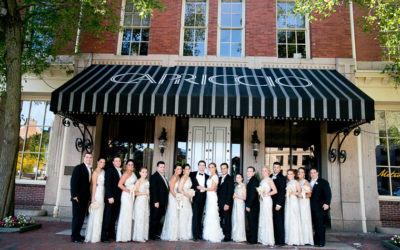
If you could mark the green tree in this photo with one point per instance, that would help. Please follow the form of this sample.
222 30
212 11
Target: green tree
32 34
381 16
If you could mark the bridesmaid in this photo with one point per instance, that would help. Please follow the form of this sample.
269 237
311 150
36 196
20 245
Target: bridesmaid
96 209
142 208
185 213
170 227
293 228
266 223
305 209
238 216
126 184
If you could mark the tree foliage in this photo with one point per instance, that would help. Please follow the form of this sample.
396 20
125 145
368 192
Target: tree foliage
381 17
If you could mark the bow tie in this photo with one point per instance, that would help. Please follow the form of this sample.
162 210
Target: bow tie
201 174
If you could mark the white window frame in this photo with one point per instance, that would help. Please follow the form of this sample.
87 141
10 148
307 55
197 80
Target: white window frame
378 137
243 29
183 27
306 28
121 32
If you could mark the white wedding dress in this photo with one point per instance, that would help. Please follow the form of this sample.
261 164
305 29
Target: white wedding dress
124 229
170 227
293 229
185 214
141 214
211 226
305 214
266 223
238 216
93 230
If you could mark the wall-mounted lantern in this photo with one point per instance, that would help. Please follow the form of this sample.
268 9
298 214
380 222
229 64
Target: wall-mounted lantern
162 141
256 144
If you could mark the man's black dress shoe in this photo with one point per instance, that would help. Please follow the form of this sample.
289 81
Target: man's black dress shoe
106 241
226 240
76 241
196 240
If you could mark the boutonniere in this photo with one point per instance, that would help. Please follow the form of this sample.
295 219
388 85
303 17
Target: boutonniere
316 183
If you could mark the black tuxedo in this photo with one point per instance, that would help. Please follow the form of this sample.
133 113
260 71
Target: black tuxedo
111 211
225 197
254 205
321 194
158 193
80 187
279 216
199 201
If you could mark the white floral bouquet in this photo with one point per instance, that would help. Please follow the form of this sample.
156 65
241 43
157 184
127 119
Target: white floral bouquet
290 189
179 199
261 190
304 190
191 193
94 206
395 240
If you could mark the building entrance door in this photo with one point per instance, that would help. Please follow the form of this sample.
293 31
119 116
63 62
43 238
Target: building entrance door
209 140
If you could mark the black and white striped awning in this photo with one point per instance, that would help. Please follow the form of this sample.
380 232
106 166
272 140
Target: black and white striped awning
213 92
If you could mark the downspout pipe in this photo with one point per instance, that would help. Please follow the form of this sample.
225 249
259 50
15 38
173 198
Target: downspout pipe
353 37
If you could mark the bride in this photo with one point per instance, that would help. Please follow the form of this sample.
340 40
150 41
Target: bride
212 230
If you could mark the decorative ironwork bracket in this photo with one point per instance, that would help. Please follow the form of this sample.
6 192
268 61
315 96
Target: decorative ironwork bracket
340 154
81 143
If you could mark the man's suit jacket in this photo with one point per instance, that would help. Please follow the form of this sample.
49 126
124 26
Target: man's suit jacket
252 194
111 180
321 194
158 190
280 183
80 185
195 183
225 191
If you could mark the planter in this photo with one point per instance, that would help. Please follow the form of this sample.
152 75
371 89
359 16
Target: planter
389 245
20 229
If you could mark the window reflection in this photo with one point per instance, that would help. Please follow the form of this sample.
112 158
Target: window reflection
34 139
231 28
195 26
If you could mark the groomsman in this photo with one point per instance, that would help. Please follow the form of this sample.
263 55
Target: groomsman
320 201
199 179
80 195
112 200
159 191
225 200
278 202
252 205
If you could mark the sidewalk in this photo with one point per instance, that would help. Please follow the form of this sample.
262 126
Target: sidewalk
56 235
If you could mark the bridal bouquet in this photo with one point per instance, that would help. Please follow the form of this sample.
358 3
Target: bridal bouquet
93 206
179 199
304 190
261 190
192 193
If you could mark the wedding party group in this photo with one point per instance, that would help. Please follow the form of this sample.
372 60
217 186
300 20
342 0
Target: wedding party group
200 204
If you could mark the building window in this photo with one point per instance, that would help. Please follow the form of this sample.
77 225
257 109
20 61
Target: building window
136 32
291 31
388 152
231 31
195 28
34 138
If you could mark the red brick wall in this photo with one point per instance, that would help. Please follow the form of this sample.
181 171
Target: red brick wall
390 213
165 29
260 28
328 39
29 196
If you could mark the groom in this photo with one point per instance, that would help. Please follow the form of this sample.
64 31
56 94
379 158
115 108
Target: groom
252 205
278 202
225 200
112 200
198 178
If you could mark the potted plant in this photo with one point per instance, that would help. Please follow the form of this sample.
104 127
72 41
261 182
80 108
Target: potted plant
393 243
18 223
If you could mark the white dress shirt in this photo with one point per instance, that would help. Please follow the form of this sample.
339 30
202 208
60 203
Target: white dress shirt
201 179
312 182
274 176
119 171
89 172
223 178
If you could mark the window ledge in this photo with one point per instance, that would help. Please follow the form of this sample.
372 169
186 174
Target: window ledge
30 182
389 198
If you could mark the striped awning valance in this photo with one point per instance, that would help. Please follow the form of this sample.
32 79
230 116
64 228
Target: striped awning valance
213 92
